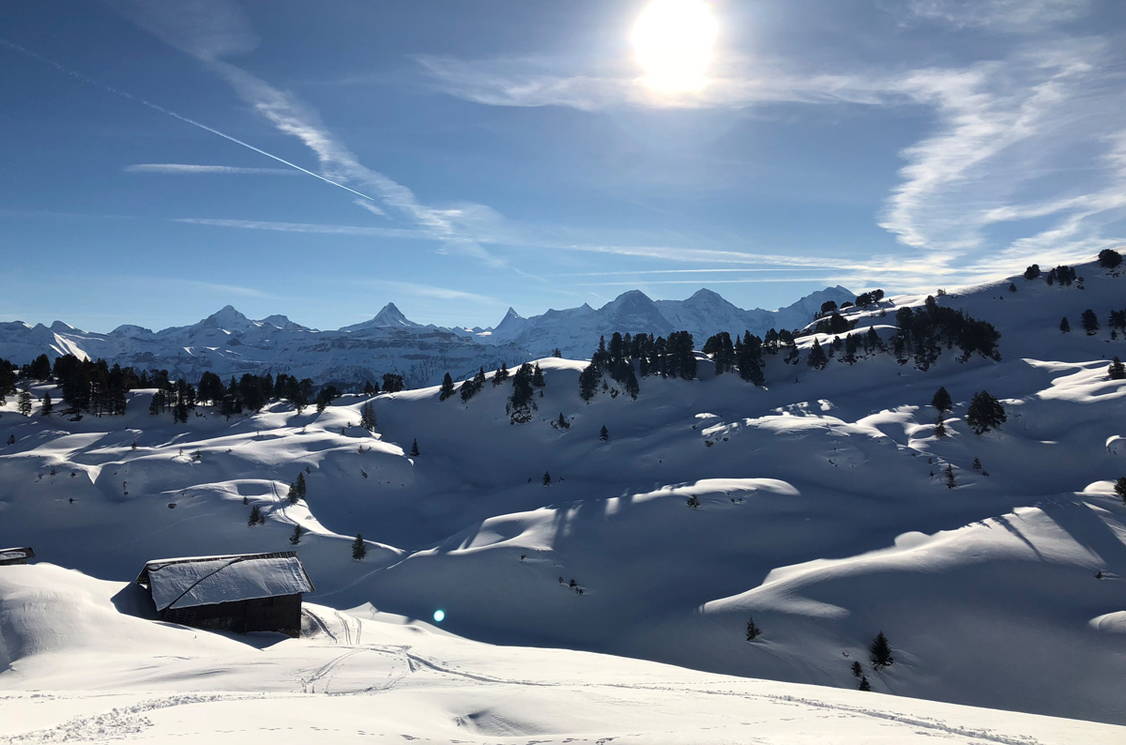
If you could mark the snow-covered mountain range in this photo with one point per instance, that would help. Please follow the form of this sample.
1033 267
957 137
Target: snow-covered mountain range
229 343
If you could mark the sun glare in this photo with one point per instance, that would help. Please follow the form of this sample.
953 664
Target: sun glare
673 42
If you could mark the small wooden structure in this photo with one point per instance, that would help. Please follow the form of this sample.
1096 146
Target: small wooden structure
16 555
237 592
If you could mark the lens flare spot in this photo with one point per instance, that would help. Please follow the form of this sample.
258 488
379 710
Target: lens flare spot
439 616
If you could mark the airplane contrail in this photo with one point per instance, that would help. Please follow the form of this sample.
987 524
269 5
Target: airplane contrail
168 112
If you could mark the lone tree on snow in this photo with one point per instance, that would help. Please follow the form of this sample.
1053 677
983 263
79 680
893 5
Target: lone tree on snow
857 670
880 651
604 434
864 684
1109 258
255 516
414 448
297 489
985 413
367 417
298 531
546 478
1065 325
48 405
753 631
940 428
1120 487
950 482
1090 322
562 422
942 401
25 403
359 548
447 388
1116 371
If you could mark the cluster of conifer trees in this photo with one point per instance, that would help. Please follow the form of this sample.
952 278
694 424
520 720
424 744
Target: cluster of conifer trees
96 387
652 355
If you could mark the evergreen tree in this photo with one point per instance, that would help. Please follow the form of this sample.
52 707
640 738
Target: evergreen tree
447 389
562 422
1032 272
940 427
588 381
864 684
255 516
857 670
976 465
1065 325
359 548
950 482
392 383
1090 322
25 403
522 390
942 401
817 359
414 449
556 353
297 489
1109 258
49 405
501 374
537 377
1120 487
298 531
880 652
40 368
1115 371
367 417
753 631
546 478
985 413
604 434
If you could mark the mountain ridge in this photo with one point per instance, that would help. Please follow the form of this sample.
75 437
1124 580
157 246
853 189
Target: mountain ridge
229 342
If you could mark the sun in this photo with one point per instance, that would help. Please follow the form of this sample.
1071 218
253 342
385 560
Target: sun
673 42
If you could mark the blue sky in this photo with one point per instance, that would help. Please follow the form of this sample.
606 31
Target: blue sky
162 159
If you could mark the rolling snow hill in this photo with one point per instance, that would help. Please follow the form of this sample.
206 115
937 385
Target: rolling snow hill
365 676
823 505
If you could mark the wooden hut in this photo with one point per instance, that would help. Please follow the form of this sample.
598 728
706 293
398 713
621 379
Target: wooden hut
16 555
238 592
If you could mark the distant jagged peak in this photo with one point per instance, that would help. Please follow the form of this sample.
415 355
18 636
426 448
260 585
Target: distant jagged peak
277 320
228 319
388 317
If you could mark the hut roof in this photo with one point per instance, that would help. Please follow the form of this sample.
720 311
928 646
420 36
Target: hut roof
19 552
208 580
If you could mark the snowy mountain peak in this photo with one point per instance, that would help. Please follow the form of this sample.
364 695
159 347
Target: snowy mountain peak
390 315
282 322
511 315
228 319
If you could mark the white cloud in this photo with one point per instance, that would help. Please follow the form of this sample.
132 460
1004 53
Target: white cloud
1000 15
535 82
432 291
194 169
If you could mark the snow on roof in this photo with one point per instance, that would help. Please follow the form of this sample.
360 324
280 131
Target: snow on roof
22 552
209 580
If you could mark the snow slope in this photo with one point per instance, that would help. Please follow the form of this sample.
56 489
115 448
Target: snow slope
824 511
364 676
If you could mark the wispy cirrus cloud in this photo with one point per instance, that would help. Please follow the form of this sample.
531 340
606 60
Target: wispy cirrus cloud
213 30
1011 16
192 169
430 291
